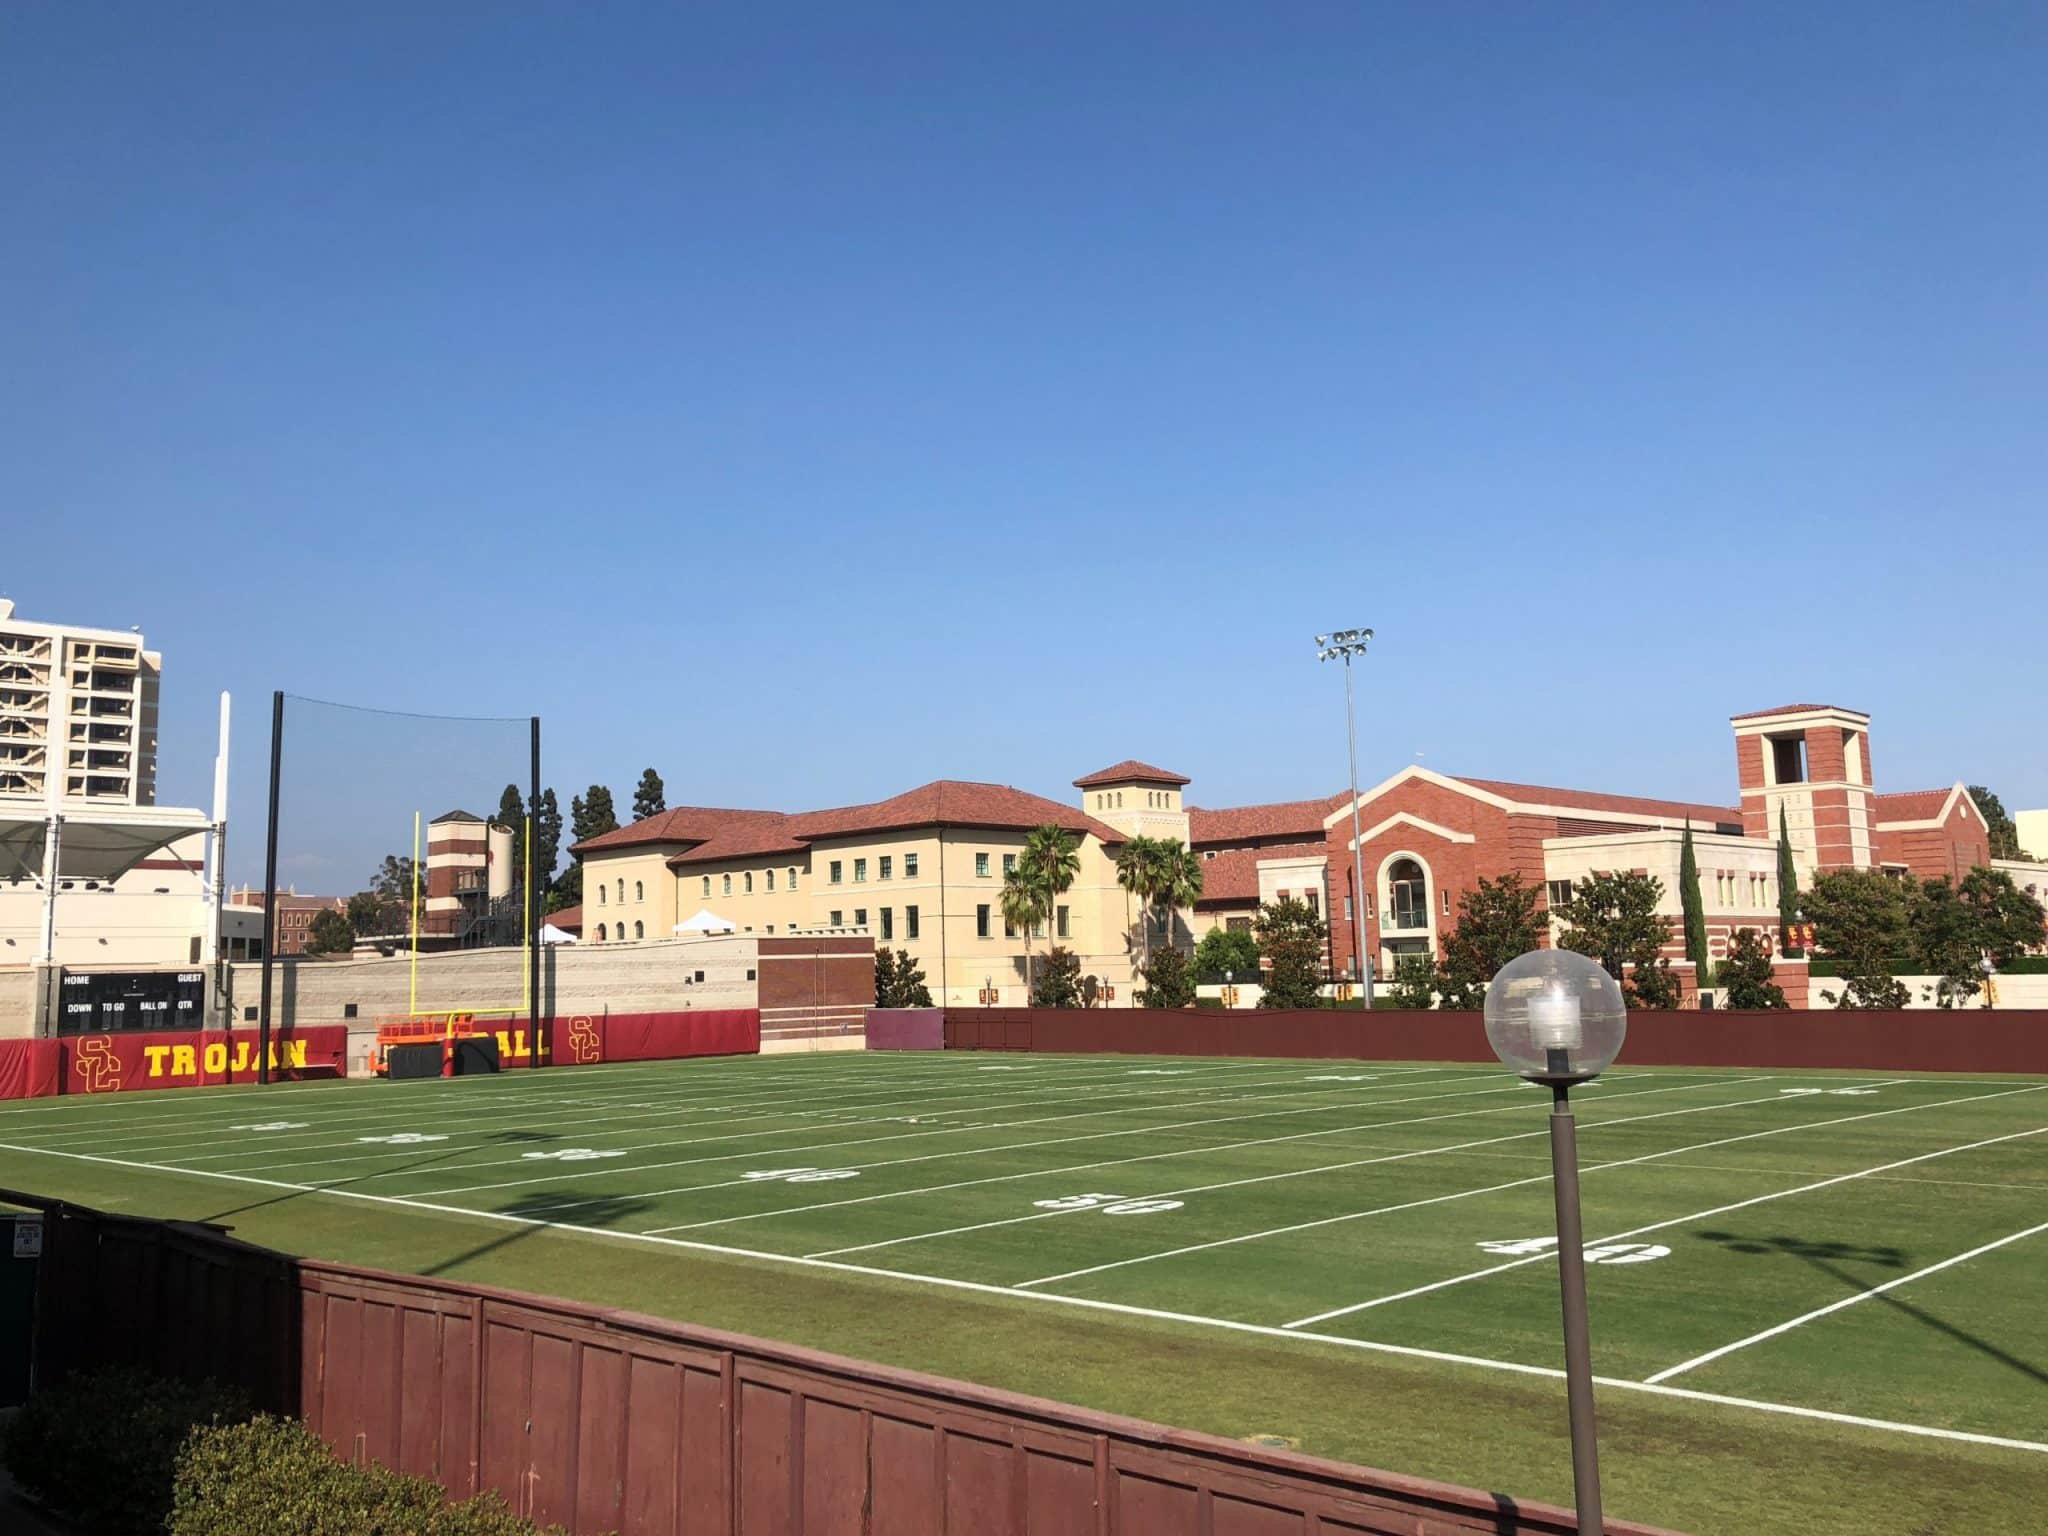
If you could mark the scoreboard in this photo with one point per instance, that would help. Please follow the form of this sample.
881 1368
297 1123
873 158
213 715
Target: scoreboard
97 1001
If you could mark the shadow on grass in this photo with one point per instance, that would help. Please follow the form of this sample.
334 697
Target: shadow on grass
542 1210
1828 1259
439 1155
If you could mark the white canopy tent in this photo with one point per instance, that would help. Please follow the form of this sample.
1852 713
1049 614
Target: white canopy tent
706 921
550 934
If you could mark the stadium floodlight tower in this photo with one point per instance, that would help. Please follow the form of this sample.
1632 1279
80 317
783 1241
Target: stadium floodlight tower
1348 643
1558 1018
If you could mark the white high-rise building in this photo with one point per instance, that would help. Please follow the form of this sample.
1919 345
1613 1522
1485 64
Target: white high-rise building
78 714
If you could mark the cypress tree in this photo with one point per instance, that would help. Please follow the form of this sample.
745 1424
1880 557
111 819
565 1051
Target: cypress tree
1788 882
1695 912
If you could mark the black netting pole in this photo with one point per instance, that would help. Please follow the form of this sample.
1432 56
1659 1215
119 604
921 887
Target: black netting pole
541 1052
270 888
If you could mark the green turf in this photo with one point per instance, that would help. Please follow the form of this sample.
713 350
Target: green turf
1299 1191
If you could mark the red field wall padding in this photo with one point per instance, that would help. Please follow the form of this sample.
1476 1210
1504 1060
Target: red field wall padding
120 1063
906 1029
1909 1040
610 1421
30 1069
692 1032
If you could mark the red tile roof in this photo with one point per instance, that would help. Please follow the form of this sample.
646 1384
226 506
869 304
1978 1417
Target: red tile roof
569 919
1594 800
1789 709
1233 878
682 824
943 802
1129 770
1241 823
1911 805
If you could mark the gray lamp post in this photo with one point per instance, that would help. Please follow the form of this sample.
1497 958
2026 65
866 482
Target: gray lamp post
1558 1018
1348 643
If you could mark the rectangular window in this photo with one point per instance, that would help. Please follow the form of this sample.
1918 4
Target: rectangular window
1560 892
1009 929
860 917
1347 910
837 918
860 871
888 868
1314 898
833 876
910 922
1446 890
910 866
1009 864
1059 921
981 918
888 924
981 866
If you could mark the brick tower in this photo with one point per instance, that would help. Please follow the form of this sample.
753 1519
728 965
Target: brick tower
1814 761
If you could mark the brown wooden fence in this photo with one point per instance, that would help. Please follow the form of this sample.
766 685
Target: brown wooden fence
1909 1040
609 1421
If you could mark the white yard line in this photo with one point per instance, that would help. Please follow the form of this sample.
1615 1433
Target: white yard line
1263 1178
1090 1304
1659 1226
951 1130
1846 1302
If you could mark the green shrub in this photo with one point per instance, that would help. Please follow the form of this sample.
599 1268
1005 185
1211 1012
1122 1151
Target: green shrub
273 1475
100 1447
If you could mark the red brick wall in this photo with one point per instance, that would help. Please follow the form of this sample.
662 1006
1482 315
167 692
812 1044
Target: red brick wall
1954 848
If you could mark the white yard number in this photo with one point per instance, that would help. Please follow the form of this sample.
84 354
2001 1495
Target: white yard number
571 1155
403 1138
1596 1253
1338 1077
1845 1093
272 1125
1160 1071
1109 1205
804 1175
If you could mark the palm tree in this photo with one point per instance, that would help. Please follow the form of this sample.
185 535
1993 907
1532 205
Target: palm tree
1134 865
1023 907
1050 861
1176 880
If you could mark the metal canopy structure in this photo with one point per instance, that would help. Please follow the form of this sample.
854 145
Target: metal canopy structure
99 843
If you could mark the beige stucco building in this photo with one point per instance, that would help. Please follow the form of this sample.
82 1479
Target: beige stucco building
922 872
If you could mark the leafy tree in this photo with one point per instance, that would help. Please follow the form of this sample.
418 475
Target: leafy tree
906 987
1168 982
1059 980
330 933
1864 920
1291 938
1694 906
1497 921
1414 981
1023 907
1231 951
1788 879
591 814
368 913
1746 973
1050 862
512 813
649 798
394 878
547 845
1176 881
1614 918
2009 921
2005 834
885 977
1947 941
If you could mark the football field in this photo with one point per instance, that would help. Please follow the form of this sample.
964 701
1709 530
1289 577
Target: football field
1862 1256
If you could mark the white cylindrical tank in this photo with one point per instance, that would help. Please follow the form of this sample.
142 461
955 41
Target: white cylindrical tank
503 846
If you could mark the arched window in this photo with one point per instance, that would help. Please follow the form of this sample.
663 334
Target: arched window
707 885
639 891
600 894
725 884
1407 895
639 932
600 933
622 890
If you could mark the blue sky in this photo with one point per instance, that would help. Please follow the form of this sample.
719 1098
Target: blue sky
814 400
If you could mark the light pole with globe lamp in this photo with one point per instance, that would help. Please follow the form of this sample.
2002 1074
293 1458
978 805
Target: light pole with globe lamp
1347 643
1558 1018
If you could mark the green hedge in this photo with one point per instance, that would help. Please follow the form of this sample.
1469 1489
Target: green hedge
120 1451
1906 965
100 1447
